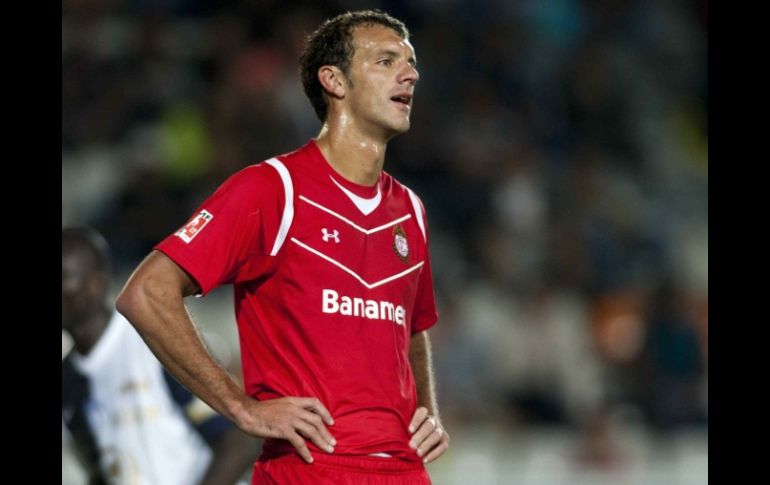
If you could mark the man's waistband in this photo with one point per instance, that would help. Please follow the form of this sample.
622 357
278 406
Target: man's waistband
379 464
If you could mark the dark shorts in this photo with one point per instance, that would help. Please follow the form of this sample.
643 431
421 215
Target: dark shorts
339 470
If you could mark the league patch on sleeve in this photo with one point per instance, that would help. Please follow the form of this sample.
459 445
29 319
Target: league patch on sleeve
188 232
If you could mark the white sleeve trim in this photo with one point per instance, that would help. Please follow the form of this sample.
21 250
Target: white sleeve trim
288 208
418 212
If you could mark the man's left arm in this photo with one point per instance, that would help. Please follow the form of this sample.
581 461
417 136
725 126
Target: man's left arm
429 438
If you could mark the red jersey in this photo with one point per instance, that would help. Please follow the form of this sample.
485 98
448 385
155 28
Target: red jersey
330 280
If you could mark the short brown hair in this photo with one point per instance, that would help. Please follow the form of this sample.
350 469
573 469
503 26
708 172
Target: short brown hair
332 45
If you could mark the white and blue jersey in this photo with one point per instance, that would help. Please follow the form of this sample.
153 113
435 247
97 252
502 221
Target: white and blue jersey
132 422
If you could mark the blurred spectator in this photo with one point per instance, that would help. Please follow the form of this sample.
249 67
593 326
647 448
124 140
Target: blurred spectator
673 362
128 419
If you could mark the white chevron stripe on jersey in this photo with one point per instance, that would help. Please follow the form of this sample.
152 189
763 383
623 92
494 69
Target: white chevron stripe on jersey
351 223
353 273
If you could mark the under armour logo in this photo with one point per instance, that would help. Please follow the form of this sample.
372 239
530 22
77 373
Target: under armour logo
335 235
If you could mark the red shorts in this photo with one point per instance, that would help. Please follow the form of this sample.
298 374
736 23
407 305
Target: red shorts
339 470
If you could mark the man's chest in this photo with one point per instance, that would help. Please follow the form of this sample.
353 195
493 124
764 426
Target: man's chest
330 233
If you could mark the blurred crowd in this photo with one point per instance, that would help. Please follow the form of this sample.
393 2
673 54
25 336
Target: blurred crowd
560 149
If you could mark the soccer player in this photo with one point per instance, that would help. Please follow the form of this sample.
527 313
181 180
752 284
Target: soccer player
328 256
130 420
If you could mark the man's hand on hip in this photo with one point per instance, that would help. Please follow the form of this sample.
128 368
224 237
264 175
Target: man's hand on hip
428 436
290 418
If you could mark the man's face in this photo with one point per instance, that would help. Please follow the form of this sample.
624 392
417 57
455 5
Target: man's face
77 288
383 74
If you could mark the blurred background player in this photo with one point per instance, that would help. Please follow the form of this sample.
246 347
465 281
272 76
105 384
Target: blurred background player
131 422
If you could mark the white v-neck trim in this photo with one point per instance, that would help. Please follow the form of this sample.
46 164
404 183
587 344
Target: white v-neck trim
366 206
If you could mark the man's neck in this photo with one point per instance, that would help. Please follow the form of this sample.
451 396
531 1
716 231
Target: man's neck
355 156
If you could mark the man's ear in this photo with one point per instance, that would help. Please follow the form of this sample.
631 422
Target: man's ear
333 81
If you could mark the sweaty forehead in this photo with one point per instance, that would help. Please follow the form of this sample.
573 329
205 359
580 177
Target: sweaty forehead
371 38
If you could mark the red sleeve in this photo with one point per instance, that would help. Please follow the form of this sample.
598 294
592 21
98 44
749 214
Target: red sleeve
230 236
425 314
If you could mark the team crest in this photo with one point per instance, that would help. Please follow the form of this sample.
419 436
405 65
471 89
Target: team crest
192 228
400 245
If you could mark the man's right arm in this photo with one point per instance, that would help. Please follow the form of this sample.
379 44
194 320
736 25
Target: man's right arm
153 301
